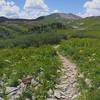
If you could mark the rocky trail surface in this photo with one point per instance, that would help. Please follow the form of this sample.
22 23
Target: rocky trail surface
67 87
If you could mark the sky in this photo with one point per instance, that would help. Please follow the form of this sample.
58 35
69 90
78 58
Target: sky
30 9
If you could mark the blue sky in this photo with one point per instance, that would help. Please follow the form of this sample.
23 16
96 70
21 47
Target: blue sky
35 8
68 6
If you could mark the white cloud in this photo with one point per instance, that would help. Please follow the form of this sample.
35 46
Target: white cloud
92 8
35 4
9 9
34 8
31 9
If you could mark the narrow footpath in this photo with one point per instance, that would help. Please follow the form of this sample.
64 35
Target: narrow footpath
67 87
68 81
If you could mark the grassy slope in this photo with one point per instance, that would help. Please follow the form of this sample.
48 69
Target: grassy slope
42 63
23 33
86 53
89 27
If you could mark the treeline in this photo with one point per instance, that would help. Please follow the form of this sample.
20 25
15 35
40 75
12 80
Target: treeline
28 34
35 40
9 30
47 27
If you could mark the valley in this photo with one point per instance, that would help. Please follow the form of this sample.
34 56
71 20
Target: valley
39 56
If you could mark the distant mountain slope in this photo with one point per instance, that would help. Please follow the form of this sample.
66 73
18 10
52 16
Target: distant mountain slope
47 29
58 17
13 19
69 16
3 18
55 16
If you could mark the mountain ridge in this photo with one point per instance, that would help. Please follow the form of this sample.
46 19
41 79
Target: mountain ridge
56 15
53 16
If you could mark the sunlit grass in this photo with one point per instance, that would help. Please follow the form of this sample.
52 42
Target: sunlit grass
86 54
42 63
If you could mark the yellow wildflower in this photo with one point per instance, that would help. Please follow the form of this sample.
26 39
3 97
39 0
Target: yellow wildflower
81 51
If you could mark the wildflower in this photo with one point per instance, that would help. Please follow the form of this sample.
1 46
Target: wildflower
94 59
81 51
7 60
90 60
23 58
93 54
88 82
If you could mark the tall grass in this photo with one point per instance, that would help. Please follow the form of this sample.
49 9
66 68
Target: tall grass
42 63
86 53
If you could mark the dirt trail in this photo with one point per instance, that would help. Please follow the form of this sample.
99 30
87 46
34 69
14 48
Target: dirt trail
67 87
68 82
